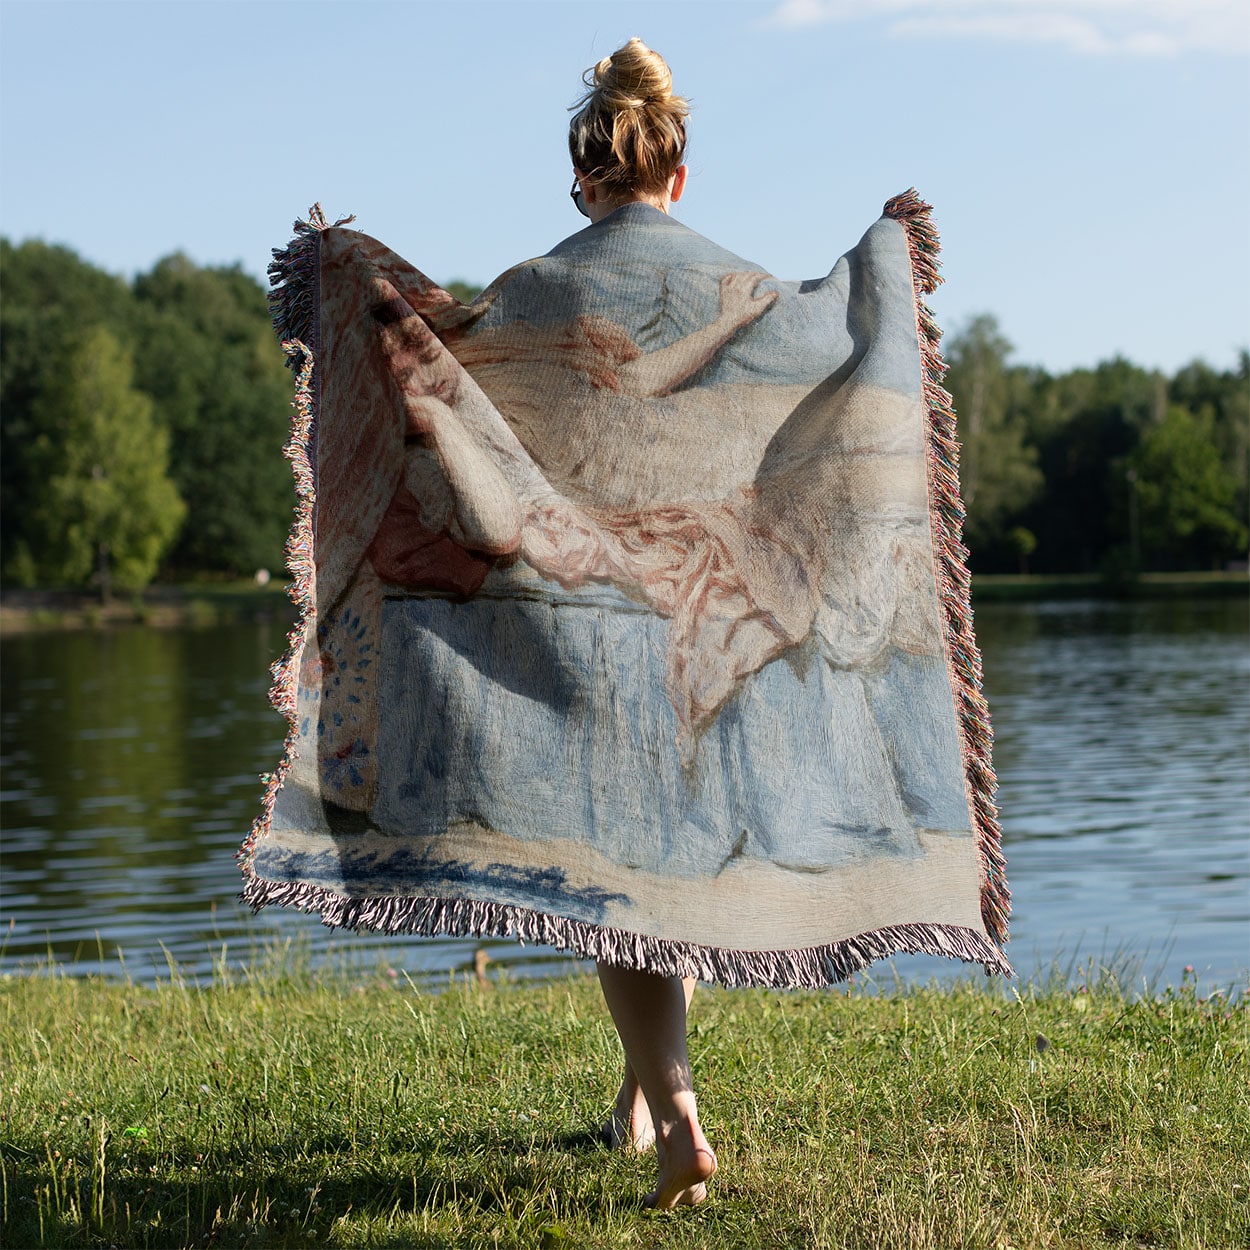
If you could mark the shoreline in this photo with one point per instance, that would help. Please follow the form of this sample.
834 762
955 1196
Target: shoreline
172 606
196 604
1035 587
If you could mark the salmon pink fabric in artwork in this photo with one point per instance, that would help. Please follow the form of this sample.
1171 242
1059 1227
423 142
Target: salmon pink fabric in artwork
634 613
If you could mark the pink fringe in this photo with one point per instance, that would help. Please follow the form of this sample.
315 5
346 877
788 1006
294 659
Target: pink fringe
283 691
954 582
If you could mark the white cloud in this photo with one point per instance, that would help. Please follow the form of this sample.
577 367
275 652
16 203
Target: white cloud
1137 28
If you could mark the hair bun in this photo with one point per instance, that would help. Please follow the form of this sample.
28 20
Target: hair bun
633 77
629 131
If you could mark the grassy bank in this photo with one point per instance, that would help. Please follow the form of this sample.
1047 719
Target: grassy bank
281 1109
1003 587
164 606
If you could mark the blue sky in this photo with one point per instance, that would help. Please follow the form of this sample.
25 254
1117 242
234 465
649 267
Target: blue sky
1088 159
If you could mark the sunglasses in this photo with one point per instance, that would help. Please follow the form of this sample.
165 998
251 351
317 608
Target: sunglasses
576 196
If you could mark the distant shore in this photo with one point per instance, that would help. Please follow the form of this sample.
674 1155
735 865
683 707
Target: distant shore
163 606
1003 587
217 603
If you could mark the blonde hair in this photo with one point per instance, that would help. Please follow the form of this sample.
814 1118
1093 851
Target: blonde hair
629 131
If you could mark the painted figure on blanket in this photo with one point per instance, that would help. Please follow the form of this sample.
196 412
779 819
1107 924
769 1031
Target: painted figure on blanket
739 556
454 514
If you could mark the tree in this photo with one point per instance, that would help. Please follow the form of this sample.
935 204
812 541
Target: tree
1187 493
208 357
997 467
105 506
1223 399
51 297
465 292
1086 424
1024 543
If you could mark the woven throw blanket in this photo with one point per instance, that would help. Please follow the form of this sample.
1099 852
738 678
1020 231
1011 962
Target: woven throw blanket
635 618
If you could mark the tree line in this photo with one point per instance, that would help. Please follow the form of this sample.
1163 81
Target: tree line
1114 470
141 423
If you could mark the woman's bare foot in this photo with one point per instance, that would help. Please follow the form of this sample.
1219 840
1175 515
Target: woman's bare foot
686 1165
649 1011
629 1126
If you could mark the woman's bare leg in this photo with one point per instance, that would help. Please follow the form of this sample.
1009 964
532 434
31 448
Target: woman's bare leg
650 1015
629 1127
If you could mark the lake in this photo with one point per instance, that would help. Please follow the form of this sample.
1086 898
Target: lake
131 759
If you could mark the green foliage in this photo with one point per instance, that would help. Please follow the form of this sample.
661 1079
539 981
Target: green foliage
1024 543
1051 456
204 356
1096 418
50 298
208 357
1222 401
1187 491
465 292
998 468
1056 457
105 506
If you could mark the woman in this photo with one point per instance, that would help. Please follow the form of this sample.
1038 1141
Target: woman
635 614
628 144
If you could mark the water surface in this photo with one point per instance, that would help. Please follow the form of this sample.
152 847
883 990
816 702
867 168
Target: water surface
131 759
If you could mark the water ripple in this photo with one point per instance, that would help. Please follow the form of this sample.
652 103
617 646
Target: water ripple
131 764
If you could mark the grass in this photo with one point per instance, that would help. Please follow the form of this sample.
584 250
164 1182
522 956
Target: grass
278 1107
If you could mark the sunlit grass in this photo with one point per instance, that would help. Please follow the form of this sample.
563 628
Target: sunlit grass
279 1107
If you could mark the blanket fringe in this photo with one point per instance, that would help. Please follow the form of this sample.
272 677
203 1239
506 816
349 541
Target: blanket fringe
300 561
954 580
809 968
295 279
294 302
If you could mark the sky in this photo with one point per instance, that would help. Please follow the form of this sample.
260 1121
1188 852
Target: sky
1088 160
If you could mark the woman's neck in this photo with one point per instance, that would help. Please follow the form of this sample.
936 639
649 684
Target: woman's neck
602 208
